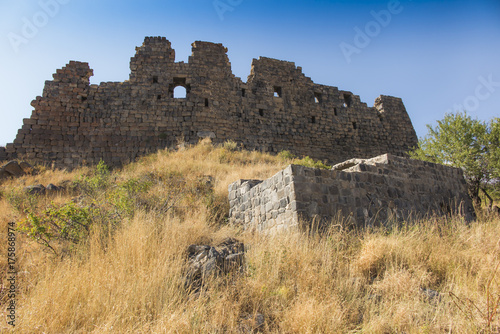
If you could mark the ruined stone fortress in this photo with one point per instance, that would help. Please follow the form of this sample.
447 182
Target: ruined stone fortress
278 108
74 123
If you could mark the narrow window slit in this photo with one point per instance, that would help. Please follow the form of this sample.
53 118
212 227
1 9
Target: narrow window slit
318 98
277 91
347 100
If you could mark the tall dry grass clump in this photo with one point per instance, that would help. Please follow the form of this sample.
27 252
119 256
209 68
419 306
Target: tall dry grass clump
126 275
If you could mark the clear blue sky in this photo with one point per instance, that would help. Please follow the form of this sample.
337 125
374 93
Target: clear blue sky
435 55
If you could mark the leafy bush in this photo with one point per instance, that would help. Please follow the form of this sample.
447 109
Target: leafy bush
309 162
286 155
67 223
97 181
22 201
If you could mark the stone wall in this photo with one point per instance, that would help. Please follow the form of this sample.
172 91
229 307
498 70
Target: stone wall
362 192
268 205
278 108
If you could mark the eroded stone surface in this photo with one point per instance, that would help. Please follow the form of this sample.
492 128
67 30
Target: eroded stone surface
206 261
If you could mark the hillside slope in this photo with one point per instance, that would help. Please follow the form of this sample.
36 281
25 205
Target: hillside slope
108 255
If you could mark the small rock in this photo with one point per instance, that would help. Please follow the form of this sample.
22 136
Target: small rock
206 134
52 188
251 323
432 295
35 190
206 261
13 169
26 167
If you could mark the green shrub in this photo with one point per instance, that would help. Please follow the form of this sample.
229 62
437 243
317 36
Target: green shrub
96 182
309 162
286 155
67 223
22 201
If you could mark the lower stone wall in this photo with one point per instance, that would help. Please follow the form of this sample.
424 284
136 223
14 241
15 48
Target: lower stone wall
3 154
362 192
268 205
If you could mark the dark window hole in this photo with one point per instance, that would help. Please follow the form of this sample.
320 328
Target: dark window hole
318 98
347 100
277 91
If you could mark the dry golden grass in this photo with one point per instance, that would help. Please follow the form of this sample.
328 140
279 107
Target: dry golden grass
342 281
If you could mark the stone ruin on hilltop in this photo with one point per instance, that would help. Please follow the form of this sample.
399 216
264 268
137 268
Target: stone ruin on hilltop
363 192
278 108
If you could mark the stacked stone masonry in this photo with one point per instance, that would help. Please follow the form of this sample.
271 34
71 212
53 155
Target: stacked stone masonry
362 192
75 123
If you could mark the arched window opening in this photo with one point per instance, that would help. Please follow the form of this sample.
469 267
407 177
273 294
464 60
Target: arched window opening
180 92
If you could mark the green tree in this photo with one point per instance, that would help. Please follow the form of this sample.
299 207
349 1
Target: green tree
460 141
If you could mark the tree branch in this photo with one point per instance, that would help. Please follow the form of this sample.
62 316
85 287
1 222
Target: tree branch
489 197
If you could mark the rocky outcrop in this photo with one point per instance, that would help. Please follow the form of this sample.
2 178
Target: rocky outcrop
207 261
40 189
